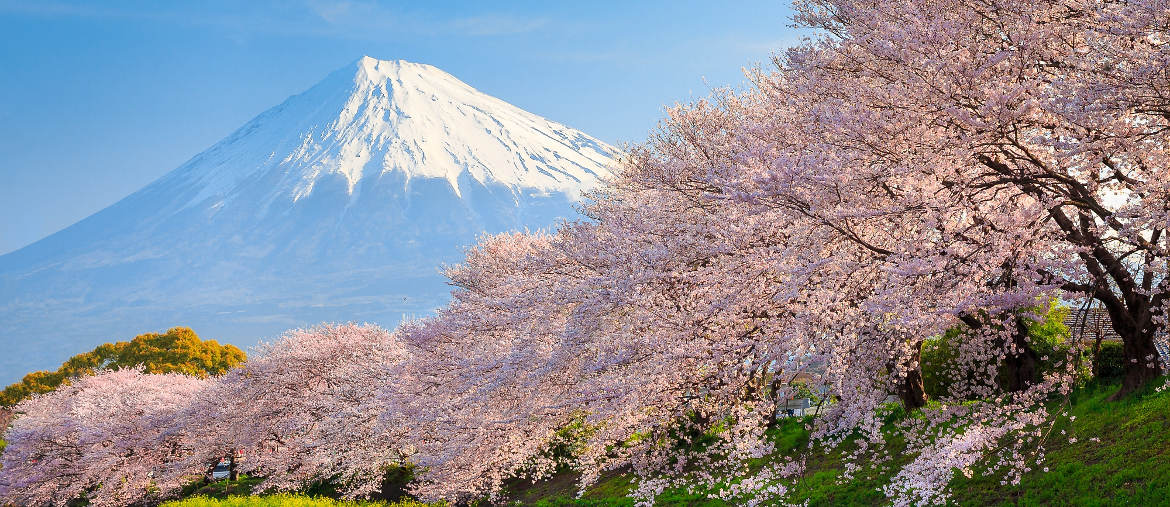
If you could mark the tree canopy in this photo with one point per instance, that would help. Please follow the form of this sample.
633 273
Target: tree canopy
179 350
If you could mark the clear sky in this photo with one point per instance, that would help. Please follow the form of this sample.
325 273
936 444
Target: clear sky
97 99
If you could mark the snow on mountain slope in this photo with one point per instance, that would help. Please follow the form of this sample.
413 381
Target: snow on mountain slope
394 115
338 204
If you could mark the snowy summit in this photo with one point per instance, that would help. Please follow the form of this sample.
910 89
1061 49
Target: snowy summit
339 204
380 116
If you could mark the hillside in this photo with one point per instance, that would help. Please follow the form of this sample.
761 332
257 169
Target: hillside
1130 465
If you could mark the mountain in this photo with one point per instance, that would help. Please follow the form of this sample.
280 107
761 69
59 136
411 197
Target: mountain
339 204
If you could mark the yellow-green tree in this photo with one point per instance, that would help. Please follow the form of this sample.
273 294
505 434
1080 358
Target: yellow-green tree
179 350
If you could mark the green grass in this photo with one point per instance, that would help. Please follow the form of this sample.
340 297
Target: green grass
282 500
1130 465
222 488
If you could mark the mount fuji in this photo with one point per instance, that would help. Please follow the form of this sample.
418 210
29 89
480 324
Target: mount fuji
339 204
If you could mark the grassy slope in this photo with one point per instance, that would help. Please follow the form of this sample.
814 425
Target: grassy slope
1129 466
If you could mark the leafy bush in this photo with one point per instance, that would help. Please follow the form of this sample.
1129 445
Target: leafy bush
395 484
1109 364
938 358
1048 336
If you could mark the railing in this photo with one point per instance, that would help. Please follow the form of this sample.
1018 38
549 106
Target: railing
1163 348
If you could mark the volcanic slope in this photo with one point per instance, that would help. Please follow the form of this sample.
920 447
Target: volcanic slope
339 204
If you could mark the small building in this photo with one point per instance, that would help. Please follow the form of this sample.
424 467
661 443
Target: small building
793 408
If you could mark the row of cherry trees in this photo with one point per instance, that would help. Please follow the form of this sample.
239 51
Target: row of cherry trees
920 165
300 411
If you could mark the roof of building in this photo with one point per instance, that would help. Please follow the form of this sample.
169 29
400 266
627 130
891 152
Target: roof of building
1095 323
1090 324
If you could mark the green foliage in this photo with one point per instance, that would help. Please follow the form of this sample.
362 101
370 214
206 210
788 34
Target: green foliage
179 350
1110 362
938 360
6 416
222 488
568 443
283 500
1048 336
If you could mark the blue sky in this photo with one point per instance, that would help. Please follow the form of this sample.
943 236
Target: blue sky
97 99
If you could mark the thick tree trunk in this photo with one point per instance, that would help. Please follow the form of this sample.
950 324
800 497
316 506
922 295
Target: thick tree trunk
911 390
1142 363
913 393
233 469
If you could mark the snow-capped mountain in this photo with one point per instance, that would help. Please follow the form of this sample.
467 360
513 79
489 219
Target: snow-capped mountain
339 204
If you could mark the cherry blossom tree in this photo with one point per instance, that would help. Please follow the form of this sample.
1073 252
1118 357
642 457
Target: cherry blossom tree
103 438
302 410
1055 106
655 318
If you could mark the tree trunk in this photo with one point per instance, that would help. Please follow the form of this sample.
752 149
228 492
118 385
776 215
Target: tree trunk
233 469
774 396
1142 363
1140 368
911 390
1022 368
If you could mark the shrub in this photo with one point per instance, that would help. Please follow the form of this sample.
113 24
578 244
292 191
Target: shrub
1109 363
938 357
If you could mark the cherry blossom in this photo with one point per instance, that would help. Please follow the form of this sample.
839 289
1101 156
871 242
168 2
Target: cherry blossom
103 437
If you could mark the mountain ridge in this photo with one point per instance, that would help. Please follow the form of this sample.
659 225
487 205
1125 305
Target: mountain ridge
337 204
